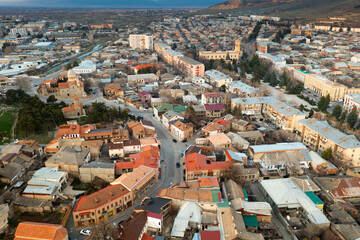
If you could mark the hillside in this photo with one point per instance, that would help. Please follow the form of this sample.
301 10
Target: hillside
293 8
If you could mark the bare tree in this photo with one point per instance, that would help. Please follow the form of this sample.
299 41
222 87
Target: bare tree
265 90
23 83
281 97
104 231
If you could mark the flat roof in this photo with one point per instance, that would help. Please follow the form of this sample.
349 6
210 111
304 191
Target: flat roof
278 147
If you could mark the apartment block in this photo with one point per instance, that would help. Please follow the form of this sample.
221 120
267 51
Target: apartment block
141 41
319 136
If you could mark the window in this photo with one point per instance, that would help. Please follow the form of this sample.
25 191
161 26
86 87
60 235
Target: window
77 216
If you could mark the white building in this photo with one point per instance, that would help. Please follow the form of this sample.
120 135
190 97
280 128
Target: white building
352 100
141 41
85 67
217 78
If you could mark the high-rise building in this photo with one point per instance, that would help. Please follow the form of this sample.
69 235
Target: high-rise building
141 41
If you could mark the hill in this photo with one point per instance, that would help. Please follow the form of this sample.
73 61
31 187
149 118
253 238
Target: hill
293 8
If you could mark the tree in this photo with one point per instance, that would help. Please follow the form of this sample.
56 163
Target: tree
273 81
323 104
243 72
327 154
337 111
267 77
74 64
23 83
51 99
311 113
190 115
302 68
173 46
343 116
104 230
352 117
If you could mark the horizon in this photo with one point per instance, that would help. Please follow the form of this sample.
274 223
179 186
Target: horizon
106 4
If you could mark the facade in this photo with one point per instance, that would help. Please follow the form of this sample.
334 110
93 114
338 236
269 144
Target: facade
319 136
141 41
75 110
103 170
96 207
143 78
211 98
4 215
214 110
324 86
233 55
243 90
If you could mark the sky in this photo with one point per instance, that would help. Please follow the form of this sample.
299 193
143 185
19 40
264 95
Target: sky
110 3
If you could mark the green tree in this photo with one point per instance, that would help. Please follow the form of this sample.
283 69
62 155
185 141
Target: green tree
323 104
327 154
173 46
223 88
343 116
267 77
243 72
337 111
352 117
302 68
273 81
51 99
74 64
311 113
190 115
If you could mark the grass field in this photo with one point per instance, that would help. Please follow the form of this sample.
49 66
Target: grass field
7 119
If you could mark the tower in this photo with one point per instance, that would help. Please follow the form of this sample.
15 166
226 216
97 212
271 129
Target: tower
237 45
76 101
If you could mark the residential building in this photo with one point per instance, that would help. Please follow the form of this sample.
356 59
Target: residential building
217 78
135 227
156 205
170 116
243 90
46 183
341 188
141 41
233 55
43 231
351 101
99 206
142 129
139 181
198 165
113 91
103 170
319 136
320 165
75 110
69 159
219 141
214 110
212 98
181 130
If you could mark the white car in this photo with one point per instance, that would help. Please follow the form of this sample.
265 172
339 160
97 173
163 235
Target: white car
85 232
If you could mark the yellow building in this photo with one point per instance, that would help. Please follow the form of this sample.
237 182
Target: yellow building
324 86
233 55
319 136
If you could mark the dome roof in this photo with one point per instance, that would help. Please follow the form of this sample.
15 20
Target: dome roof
71 72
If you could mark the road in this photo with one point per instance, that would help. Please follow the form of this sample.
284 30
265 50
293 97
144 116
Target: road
170 153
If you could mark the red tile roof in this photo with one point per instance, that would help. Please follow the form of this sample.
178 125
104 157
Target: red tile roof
197 161
210 235
154 215
214 107
143 66
43 231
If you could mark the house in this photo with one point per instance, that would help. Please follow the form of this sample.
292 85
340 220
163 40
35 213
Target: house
181 130
219 141
171 116
69 159
237 141
103 170
156 205
320 165
236 157
116 150
142 129
211 98
139 181
4 215
214 110
132 146
340 188
99 206
46 183
132 99
143 78
12 172
190 99
75 110
198 165
145 98
243 90
43 231
189 214
211 129
240 125
135 227
113 91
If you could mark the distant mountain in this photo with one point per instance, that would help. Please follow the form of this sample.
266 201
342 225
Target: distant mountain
294 8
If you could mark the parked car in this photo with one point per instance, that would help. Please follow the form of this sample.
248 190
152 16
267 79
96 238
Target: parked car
177 164
85 232
174 140
184 141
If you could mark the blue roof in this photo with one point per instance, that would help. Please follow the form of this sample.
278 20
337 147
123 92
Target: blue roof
250 221
323 128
